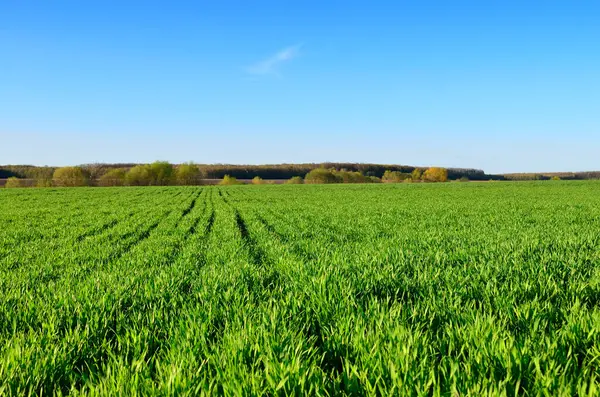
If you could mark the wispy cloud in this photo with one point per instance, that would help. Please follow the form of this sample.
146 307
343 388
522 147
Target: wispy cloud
272 64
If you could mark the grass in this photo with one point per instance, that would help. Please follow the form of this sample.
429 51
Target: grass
410 289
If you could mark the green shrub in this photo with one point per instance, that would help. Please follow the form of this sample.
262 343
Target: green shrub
394 176
351 177
13 182
556 178
114 177
463 179
139 175
70 177
188 174
321 175
257 180
295 180
161 173
230 180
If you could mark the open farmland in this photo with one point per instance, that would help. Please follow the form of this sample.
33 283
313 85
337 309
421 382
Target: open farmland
480 288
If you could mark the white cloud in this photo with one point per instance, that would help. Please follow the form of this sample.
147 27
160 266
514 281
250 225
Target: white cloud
271 65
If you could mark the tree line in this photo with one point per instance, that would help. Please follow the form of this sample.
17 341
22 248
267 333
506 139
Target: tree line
268 171
161 173
287 171
43 176
553 176
323 175
331 175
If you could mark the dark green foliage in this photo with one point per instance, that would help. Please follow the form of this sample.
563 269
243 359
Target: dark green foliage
25 171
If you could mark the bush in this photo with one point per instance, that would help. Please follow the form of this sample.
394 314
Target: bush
70 177
351 177
230 180
321 175
416 175
295 180
43 182
188 174
556 178
374 179
463 179
257 180
138 176
394 176
114 177
161 173
13 182
436 174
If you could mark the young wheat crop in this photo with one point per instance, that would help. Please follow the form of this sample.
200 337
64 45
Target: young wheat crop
407 289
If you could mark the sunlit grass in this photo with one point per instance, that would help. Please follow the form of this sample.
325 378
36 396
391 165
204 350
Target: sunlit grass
409 289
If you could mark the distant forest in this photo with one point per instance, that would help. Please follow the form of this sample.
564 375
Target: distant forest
287 171
269 171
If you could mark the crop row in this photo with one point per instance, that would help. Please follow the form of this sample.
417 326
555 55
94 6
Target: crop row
321 290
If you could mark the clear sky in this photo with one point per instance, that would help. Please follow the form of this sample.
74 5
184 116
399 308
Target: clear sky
504 86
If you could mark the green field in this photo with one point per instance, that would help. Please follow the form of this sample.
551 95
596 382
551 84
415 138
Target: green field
407 289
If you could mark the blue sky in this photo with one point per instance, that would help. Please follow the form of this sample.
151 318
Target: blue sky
504 86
